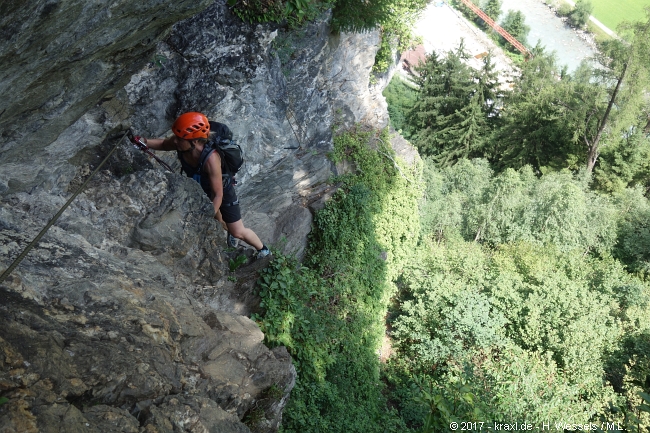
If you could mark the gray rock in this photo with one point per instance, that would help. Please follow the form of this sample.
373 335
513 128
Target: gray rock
127 315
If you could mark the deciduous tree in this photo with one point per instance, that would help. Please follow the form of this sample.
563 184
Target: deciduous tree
581 13
625 76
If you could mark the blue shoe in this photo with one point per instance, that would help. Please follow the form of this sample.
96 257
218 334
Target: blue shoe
263 252
232 241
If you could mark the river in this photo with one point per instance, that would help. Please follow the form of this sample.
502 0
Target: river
442 28
554 34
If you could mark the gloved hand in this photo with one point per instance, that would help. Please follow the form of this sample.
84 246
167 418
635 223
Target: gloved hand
139 141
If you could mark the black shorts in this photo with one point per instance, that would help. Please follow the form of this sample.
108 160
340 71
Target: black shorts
230 212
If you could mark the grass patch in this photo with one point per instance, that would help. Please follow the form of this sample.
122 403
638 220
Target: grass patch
612 13
598 33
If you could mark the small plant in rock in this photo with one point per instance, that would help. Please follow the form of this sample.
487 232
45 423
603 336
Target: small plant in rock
253 419
274 392
236 263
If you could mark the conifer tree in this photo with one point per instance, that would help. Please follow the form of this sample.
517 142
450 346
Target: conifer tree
537 123
514 23
493 9
450 114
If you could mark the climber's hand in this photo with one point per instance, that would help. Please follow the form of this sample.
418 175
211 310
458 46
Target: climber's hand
139 141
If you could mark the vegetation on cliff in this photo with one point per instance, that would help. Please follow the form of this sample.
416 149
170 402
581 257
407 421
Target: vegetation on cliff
329 311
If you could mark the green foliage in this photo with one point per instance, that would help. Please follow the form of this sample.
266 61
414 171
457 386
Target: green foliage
396 24
464 9
529 386
624 163
233 264
329 311
450 118
581 13
533 318
452 402
385 56
538 122
515 23
468 201
564 9
3 400
633 245
395 18
400 96
629 371
258 10
492 8
536 326
292 12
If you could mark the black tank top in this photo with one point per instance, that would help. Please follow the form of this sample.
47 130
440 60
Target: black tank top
197 173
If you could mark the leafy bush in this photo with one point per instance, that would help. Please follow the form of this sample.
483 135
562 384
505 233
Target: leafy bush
633 246
525 318
564 9
534 317
581 13
557 208
329 311
400 96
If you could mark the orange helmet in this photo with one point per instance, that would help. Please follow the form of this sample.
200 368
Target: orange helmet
191 125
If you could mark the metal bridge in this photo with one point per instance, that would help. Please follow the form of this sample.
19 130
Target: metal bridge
500 30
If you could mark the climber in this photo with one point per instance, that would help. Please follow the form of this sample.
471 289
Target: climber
191 133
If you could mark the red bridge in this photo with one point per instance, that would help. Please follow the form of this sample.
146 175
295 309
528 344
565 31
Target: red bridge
508 37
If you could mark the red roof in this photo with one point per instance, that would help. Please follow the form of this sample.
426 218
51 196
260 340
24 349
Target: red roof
413 57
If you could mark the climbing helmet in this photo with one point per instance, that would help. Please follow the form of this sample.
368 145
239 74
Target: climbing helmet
192 125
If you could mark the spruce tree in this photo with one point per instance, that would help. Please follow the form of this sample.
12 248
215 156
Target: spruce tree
492 8
514 23
450 115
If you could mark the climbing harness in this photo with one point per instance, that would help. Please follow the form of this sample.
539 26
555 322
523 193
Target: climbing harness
38 237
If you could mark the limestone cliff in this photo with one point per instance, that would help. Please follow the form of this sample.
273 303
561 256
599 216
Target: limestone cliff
126 317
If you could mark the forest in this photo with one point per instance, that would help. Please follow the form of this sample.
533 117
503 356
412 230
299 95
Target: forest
506 270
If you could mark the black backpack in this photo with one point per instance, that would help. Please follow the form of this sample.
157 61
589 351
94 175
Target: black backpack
232 156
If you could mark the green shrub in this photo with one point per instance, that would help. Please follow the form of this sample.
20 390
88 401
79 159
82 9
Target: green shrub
329 311
581 13
400 96
556 209
515 23
564 9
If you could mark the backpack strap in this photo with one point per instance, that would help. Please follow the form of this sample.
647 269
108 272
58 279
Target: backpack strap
226 178
207 151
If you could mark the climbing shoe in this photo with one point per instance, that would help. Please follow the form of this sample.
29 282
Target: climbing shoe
233 242
263 252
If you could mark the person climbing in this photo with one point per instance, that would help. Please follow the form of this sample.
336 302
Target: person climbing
202 163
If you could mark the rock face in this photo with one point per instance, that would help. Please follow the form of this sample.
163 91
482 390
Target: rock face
130 315
61 57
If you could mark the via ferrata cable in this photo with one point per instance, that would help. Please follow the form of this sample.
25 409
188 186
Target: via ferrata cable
38 237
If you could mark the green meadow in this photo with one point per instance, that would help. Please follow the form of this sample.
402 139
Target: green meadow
611 13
